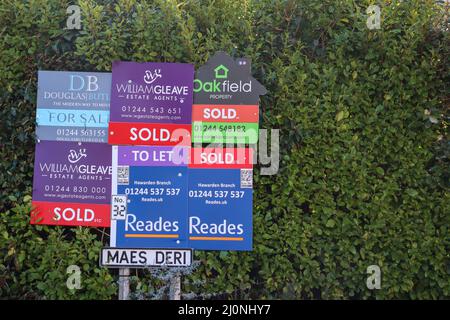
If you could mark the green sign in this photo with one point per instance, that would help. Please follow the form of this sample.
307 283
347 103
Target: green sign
225 132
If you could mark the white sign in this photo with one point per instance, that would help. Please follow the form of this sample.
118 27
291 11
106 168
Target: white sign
141 258
118 207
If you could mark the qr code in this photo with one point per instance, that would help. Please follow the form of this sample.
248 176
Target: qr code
246 178
123 175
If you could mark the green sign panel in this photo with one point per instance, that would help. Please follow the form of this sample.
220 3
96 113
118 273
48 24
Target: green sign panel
225 132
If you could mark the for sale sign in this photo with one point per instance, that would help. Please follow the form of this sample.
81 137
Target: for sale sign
73 106
72 184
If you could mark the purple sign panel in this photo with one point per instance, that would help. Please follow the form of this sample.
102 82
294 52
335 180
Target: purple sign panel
77 172
72 183
153 156
152 92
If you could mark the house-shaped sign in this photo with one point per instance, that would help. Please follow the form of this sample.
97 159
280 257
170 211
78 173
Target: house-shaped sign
223 80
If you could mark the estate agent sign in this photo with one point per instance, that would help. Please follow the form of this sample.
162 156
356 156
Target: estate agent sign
72 169
150 129
73 106
72 184
226 99
152 180
151 103
115 150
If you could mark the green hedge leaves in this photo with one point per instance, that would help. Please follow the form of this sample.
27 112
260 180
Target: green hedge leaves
363 119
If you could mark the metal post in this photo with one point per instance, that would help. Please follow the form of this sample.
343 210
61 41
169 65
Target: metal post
175 288
124 284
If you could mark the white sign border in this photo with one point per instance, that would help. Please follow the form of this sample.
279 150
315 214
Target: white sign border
140 266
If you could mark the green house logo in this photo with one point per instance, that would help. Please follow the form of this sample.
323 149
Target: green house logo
221 72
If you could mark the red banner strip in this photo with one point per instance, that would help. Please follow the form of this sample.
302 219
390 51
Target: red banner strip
225 113
71 214
221 158
155 134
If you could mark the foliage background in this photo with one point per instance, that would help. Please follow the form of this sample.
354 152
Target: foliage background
364 143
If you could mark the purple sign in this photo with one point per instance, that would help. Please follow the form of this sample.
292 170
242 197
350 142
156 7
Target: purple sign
72 172
152 156
151 92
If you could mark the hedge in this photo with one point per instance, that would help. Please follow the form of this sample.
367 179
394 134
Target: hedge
363 119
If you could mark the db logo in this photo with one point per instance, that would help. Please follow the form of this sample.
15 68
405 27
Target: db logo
70 214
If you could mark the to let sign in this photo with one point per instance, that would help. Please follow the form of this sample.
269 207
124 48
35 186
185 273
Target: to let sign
154 181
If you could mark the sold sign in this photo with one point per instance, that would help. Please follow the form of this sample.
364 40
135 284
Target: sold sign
225 113
70 214
221 158
125 133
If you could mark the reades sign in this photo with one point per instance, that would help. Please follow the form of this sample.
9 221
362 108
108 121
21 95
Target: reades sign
149 208
139 258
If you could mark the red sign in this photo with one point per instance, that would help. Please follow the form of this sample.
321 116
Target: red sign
225 113
126 133
221 158
70 214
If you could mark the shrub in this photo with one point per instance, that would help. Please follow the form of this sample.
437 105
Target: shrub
364 149
36 260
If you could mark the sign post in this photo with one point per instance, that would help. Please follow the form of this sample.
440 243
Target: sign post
175 288
168 196
150 128
124 284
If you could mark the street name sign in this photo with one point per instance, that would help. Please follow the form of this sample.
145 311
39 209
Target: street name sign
142 258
